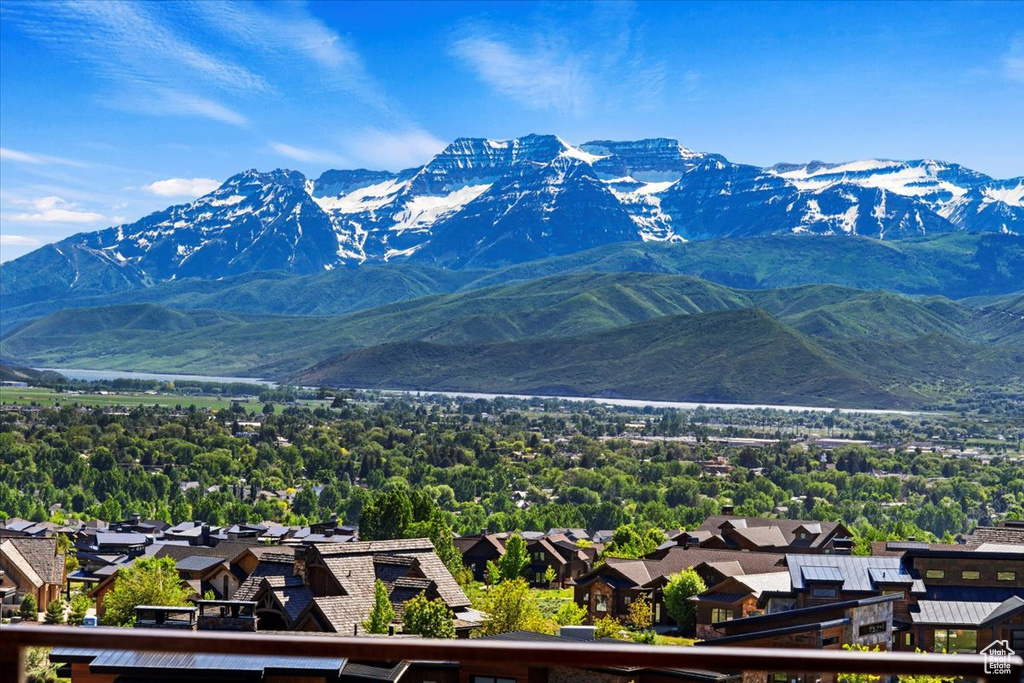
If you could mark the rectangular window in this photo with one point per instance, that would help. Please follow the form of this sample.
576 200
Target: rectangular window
970 575
626 600
823 592
601 602
720 614
831 640
868 629
908 639
1006 576
934 574
956 640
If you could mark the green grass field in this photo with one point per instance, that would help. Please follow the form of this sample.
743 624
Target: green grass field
48 397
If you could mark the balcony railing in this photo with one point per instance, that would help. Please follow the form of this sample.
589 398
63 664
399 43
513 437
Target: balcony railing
591 655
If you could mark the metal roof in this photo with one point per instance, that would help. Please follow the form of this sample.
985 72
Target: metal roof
127 661
1006 609
198 563
116 538
856 572
827 574
952 613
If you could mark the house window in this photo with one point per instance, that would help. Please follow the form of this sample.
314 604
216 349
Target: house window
657 613
831 640
538 577
720 614
908 639
823 592
868 629
970 575
601 602
1006 576
803 536
626 600
935 574
956 640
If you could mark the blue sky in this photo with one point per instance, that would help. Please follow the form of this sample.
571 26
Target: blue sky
109 111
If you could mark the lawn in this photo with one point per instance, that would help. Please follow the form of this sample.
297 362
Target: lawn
48 397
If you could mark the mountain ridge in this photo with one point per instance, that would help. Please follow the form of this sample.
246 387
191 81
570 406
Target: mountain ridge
486 203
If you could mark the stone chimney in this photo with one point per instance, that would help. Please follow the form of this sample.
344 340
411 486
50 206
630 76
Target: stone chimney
299 568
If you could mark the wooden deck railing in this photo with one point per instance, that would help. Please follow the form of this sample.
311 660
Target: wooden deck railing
13 640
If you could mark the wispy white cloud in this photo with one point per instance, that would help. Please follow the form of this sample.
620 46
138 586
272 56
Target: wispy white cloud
309 156
539 79
135 48
52 209
288 34
1013 60
569 64
181 187
18 241
391 149
39 159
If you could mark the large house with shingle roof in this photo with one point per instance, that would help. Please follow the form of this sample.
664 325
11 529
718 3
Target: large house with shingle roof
330 586
31 566
763 534
608 590
556 550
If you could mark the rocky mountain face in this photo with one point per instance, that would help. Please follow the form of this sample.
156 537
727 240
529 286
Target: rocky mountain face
483 203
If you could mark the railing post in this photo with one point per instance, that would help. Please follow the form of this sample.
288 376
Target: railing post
12 661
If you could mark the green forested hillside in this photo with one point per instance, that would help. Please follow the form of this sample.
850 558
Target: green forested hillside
741 355
508 338
955 266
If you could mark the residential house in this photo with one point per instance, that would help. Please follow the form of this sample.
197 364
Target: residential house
609 589
738 597
32 566
762 534
330 587
556 550
866 622
967 599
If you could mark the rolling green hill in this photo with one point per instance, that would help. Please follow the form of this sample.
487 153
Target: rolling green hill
859 339
955 266
743 356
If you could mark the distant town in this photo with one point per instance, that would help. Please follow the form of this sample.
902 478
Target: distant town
357 513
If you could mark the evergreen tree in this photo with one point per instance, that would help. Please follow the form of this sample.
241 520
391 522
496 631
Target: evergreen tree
29 610
383 613
55 612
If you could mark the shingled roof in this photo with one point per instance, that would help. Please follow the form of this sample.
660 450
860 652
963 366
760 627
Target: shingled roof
1003 535
42 556
663 563
765 532
356 565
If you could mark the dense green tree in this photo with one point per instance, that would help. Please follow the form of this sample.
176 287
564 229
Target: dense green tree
678 590
148 581
511 606
516 559
428 618
387 515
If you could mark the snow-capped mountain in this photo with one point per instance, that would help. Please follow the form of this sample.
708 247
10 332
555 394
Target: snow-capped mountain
485 202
